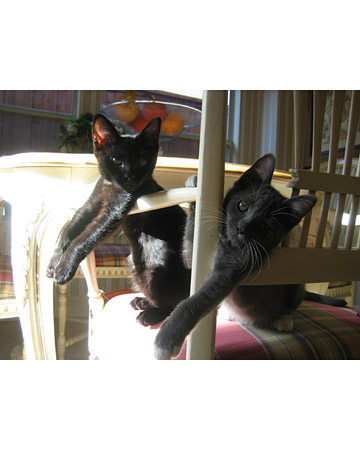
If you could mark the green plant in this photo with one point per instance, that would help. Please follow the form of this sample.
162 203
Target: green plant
75 135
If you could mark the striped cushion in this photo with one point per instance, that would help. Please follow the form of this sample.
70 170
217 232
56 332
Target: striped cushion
112 255
320 332
6 278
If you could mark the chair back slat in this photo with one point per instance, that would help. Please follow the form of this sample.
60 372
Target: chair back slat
354 211
301 103
319 103
346 170
352 130
336 117
318 124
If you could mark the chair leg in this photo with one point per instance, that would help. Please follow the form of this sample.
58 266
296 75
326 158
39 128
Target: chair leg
62 310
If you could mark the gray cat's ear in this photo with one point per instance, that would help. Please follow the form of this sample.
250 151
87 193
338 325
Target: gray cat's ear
151 132
260 172
103 130
301 204
265 167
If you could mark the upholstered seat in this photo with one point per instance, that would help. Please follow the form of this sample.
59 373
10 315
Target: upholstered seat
320 332
7 296
111 255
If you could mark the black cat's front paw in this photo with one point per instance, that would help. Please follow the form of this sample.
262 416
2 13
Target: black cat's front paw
141 303
54 262
64 272
167 345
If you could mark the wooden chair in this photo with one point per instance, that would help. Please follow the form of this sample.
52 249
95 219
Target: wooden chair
302 263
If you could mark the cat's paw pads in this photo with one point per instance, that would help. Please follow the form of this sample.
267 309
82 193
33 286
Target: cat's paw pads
191 181
284 323
165 353
140 303
63 273
50 271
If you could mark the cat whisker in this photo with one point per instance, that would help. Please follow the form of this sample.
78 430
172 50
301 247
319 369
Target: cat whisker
266 253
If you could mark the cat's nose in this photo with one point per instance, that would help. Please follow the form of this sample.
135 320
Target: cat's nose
129 177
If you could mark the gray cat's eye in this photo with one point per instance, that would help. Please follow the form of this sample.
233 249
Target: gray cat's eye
243 206
118 162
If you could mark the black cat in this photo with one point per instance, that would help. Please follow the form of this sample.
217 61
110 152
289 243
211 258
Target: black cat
126 164
256 218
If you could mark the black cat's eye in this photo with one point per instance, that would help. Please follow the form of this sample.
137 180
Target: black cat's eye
142 162
243 206
118 162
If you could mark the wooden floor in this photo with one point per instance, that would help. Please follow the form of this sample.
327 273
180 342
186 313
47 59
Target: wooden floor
10 337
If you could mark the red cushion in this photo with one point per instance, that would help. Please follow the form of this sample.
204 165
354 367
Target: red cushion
6 278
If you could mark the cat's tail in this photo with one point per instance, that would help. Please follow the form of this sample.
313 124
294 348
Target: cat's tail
325 299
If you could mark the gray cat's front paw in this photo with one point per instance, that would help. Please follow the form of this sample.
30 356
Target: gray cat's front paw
191 181
167 343
166 353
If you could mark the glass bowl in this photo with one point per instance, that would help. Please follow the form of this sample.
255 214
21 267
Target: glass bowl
133 115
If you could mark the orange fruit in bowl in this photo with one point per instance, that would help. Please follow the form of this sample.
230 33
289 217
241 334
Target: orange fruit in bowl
139 123
153 109
127 111
173 123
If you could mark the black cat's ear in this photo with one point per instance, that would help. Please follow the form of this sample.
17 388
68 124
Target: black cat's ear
261 171
300 205
103 131
151 133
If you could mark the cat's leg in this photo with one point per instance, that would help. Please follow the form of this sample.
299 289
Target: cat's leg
185 316
189 227
284 323
96 231
71 230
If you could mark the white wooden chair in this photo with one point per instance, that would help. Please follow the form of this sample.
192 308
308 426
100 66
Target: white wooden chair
302 263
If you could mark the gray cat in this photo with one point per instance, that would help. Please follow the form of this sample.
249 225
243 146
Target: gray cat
256 218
